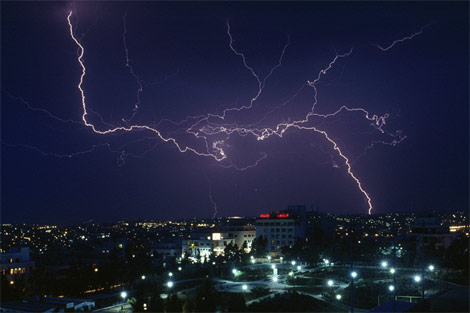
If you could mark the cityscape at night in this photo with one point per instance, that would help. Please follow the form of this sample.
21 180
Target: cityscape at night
232 156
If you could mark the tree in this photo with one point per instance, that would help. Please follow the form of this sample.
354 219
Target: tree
236 303
174 304
156 302
205 298
259 247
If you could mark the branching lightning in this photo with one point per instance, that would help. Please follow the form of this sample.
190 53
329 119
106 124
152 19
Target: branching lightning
211 130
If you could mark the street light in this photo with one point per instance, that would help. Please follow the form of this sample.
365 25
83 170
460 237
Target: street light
275 279
244 287
143 277
269 257
327 261
353 274
384 264
417 278
169 284
338 297
299 267
431 267
273 266
253 261
170 274
391 288
293 263
124 295
392 271
291 273
234 271
330 283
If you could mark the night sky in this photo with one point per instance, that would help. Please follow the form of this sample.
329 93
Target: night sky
180 52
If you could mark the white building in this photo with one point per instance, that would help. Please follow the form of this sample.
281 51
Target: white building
16 262
203 245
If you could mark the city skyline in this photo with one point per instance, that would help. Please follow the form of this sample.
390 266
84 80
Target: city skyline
222 109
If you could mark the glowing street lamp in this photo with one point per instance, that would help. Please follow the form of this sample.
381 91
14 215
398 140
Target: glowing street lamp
124 295
169 284
327 261
330 283
391 288
384 264
170 274
275 279
338 297
293 263
392 271
143 277
179 268
244 287
291 273
417 278
431 268
353 274
299 267
273 266
234 271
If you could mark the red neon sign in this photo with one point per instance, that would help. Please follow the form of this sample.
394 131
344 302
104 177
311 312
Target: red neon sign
283 215
264 215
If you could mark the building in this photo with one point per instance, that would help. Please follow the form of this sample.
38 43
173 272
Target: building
431 232
282 229
16 262
240 235
200 246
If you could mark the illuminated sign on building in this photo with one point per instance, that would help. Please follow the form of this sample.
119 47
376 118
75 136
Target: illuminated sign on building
216 236
264 215
282 215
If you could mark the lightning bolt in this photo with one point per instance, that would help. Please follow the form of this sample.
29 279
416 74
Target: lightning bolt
214 205
131 71
211 129
402 39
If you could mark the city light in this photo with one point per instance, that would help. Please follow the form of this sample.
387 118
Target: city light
431 267
338 297
244 287
299 267
179 268
327 261
384 264
169 284
143 277
234 271
353 274
269 257
293 262
391 288
96 269
170 274
124 295
273 266
291 273
392 271
275 279
417 278
253 261
330 283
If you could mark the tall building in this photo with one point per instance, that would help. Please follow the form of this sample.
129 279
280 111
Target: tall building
282 229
